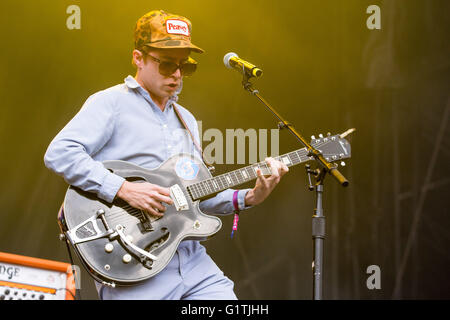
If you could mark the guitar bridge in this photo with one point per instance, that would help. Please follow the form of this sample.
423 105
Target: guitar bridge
179 200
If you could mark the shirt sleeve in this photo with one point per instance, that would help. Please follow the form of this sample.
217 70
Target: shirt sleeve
222 203
71 151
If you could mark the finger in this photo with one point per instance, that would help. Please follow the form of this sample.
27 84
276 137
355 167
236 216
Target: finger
259 173
156 213
261 177
162 190
150 210
274 168
162 198
156 205
284 169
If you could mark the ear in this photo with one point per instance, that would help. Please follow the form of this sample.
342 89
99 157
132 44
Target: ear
138 58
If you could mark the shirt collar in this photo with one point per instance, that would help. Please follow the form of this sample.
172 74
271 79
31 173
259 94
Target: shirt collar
131 82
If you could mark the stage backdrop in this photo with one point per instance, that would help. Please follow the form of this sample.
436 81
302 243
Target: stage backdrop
381 67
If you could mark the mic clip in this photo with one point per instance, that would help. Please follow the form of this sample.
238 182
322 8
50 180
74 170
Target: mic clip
247 84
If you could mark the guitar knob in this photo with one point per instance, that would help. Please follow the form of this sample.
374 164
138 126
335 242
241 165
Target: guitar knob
126 258
343 163
321 136
197 224
109 247
313 137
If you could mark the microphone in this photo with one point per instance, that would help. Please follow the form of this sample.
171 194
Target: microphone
232 61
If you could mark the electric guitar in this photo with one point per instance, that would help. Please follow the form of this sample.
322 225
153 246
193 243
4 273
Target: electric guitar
122 245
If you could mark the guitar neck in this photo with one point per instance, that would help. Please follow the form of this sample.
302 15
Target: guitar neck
206 188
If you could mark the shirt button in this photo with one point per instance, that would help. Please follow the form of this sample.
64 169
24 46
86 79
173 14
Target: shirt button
164 125
169 146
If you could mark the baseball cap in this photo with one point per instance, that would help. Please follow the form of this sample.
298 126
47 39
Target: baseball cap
158 29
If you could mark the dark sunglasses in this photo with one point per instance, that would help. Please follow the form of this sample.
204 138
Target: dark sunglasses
167 68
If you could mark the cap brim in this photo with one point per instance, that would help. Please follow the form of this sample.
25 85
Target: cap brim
172 44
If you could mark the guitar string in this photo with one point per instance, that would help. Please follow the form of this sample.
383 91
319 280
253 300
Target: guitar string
200 191
117 214
113 214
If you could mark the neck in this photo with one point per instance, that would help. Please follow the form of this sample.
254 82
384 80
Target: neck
159 101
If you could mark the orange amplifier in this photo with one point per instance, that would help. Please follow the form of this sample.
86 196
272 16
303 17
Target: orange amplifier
26 278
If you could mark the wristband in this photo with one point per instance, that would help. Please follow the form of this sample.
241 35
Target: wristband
236 212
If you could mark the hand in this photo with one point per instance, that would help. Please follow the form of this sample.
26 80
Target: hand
145 196
264 186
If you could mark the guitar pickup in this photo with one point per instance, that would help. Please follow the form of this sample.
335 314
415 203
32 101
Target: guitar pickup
179 200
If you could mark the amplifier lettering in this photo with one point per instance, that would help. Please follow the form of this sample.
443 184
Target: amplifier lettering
9 271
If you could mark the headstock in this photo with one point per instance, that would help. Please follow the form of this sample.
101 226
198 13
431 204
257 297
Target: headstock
333 148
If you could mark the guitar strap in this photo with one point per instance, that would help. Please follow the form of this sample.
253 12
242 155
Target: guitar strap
211 169
62 237
209 165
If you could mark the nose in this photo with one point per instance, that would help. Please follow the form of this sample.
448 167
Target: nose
177 73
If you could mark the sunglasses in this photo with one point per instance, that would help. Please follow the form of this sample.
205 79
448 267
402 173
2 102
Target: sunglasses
167 68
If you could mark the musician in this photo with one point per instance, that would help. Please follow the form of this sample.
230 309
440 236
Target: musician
136 121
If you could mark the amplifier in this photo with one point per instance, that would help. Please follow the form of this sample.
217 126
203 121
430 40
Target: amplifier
27 278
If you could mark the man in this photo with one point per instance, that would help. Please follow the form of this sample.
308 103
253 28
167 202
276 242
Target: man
135 122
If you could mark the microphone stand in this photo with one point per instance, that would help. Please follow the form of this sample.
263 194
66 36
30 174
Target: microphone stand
324 167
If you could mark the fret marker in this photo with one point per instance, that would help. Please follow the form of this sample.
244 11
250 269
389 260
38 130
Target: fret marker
244 174
286 160
228 179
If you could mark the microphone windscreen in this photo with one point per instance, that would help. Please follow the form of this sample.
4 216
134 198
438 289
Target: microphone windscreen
227 57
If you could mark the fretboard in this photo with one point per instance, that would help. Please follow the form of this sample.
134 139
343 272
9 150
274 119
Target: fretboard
206 188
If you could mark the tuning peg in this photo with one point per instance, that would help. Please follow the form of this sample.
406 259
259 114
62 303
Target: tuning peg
346 133
320 135
343 163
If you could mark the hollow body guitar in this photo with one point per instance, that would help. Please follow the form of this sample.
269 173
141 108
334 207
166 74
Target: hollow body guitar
121 245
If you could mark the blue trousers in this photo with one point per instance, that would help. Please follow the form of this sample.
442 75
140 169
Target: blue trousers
190 275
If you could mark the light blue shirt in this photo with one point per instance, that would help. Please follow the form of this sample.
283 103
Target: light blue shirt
123 123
